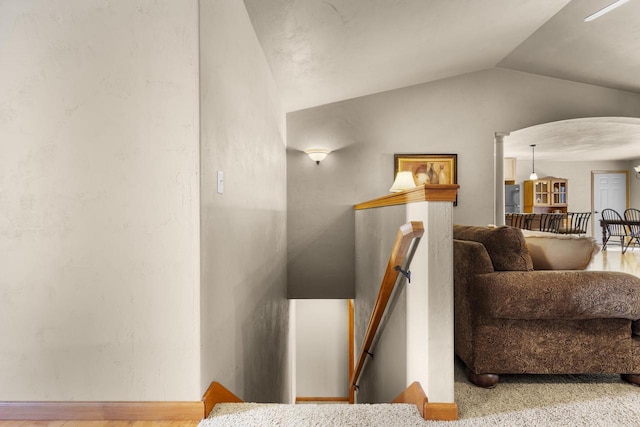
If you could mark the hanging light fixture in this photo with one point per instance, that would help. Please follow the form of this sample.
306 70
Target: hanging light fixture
533 175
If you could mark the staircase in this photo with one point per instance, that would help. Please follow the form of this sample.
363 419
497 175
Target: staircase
317 415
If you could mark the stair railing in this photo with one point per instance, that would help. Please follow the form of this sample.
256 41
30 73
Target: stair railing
397 271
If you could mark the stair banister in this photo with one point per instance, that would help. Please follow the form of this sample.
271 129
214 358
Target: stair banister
404 247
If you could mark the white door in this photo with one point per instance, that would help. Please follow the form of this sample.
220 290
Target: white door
609 191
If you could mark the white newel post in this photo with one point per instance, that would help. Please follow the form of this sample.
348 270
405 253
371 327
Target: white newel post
430 353
499 177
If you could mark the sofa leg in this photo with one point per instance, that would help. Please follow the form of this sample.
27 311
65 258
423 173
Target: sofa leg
482 380
631 378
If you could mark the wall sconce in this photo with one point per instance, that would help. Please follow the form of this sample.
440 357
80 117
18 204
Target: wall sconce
404 181
533 175
317 154
637 169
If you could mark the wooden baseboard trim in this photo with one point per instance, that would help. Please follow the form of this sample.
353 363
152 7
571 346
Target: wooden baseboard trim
118 411
441 411
217 393
322 399
102 411
414 394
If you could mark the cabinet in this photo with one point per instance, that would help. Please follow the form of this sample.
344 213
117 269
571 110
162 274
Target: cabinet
509 169
545 195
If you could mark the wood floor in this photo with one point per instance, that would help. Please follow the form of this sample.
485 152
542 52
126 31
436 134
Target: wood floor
614 260
98 423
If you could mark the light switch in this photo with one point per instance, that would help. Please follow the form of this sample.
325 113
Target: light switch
220 182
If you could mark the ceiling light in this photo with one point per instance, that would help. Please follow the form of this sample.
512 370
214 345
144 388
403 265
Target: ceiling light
607 9
317 154
533 175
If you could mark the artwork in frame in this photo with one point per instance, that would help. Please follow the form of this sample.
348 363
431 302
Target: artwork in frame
428 168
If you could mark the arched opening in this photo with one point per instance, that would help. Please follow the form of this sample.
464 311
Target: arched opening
571 149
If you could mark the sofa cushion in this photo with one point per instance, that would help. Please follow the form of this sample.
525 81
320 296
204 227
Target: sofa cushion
558 295
505 245
550 251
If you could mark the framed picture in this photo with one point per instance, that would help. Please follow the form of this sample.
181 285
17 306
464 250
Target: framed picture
428 168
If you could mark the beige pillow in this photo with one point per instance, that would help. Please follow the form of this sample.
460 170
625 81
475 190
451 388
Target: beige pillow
551 251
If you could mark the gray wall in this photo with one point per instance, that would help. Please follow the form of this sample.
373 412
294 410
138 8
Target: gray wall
99 210
244 307
457 115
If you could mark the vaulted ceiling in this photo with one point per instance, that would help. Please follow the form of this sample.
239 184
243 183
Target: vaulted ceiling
323 51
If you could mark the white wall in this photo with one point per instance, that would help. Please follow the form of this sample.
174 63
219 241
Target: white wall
635 183
457 115
244 306
322 348
99 209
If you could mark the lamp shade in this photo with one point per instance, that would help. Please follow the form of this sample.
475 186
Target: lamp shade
404 181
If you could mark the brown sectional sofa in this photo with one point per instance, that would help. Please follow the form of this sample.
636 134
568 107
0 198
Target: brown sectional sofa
510 318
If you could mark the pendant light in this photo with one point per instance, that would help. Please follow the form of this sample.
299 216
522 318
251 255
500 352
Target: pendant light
533 175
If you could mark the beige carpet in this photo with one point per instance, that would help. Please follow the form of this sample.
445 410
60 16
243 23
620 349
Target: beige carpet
549 400
518 400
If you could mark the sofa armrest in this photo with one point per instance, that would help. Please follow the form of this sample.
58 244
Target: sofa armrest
470 258
551 251
557 295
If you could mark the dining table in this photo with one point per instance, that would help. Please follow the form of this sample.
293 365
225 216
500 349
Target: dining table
624 222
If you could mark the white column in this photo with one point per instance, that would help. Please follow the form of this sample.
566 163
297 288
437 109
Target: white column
429 296
499 177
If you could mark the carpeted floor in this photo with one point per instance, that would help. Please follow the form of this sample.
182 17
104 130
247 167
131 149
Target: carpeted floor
518 400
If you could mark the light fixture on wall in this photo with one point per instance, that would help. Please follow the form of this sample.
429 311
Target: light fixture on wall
604 10
404 181
637 169
317 154
533 175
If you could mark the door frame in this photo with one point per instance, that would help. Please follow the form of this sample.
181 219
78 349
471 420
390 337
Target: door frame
593 178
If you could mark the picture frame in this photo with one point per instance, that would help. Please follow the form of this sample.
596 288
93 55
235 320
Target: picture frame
428 168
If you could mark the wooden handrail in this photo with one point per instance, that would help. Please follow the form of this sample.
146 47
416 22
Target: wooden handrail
422 193
399 256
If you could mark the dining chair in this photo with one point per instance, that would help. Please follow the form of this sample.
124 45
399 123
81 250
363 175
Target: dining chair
577 223
615 228
550 222
633 215
521 220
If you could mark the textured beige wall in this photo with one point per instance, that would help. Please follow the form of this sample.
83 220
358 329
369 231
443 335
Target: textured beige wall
99 209
322 348
244 306
376 231
457 115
